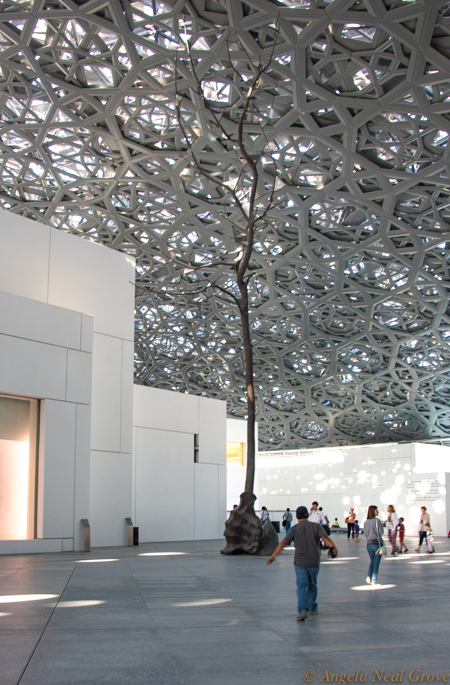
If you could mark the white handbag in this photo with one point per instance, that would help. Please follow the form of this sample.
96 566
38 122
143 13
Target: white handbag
382 549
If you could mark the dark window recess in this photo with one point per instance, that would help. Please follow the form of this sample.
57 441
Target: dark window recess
195 447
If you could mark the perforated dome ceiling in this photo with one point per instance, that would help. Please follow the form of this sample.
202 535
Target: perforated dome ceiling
350 298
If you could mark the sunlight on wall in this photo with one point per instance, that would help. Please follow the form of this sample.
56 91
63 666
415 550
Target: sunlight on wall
359 476
18 439
14 460
235 453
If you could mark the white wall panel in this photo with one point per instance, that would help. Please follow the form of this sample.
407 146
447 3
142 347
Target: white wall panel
206 497
165 410
164 484
58 470
79 377
165 423
82 472
212 429
40 369
94 280
51 266
133 475
67 545
388 451
235 483
87 332
38 321
106 393
30 546
354 459
110 498
431 458
236 430
126 410
32 368
24 256
222 500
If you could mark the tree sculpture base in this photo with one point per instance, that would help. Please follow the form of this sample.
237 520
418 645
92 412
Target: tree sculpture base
268 540
244 533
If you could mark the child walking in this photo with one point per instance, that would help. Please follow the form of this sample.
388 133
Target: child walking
356 529
401 534
430 539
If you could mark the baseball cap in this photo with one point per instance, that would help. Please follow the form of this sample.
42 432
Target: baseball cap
301 512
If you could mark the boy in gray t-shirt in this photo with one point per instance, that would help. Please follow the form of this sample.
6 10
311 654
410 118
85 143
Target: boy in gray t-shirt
306 537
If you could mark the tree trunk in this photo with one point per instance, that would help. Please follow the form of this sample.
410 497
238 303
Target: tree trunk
248 356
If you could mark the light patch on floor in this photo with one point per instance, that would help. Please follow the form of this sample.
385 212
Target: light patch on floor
371 588
161 554
74 603
10 599
95 561
202 603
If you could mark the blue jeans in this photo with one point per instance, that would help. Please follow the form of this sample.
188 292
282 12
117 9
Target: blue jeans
306 587
288 525
374 561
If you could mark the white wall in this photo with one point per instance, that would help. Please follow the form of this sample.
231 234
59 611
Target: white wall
358 476
43 354
47 265
173 497
237 432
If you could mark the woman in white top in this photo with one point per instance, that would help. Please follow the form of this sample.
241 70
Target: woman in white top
373 530
424 520
391 524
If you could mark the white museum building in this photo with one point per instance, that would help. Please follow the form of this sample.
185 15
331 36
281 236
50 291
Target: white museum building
79 441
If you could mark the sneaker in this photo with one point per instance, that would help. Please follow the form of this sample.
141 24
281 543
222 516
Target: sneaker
417 550
313 612
302 615
406 550
368 581
399 552
375 583
430 551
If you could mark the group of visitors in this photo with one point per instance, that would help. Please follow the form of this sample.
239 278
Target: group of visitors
373 531
310 533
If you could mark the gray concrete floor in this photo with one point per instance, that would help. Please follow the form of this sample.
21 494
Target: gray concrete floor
181 613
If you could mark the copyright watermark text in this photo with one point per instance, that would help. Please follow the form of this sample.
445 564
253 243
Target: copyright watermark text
378 676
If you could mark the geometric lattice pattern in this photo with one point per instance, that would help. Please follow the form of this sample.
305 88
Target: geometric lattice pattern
350 296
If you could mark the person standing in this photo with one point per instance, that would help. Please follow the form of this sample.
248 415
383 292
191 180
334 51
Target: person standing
350 521
306 536
264 515
373 531
315 516
424 521
325 521
287 518
391 525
